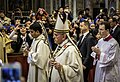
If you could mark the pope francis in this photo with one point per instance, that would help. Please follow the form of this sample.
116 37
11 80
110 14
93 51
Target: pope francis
66 63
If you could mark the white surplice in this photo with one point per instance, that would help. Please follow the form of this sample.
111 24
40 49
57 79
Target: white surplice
37 59
107 69
72 64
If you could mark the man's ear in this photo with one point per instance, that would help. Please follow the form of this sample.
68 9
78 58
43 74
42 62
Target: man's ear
37 32
64 36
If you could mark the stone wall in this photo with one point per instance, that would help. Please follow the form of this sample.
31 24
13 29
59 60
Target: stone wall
79 5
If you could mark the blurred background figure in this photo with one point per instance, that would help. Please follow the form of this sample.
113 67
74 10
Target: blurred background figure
87 14
115 29
41 15
7 40
3 55
21 37
4 21
32 17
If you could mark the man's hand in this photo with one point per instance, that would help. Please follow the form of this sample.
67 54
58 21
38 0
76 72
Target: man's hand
57 65
84 67
96 50
25 52
51 62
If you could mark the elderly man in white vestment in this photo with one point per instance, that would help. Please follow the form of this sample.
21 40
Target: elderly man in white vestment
38 55
106 53
67 64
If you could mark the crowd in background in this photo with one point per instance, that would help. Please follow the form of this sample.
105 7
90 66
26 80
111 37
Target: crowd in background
17 36
10 24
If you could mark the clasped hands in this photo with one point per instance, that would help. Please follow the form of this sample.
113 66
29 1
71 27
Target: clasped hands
97 51
54 63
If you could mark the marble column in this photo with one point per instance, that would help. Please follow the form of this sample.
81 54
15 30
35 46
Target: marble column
69 3
106 4
59 3
45 4
74 8
117 4
56 5
51 6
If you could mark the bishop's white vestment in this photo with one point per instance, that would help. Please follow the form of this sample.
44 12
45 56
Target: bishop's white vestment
69 58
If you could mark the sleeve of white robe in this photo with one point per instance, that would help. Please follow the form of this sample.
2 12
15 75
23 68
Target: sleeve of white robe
110 57
73 69
41 56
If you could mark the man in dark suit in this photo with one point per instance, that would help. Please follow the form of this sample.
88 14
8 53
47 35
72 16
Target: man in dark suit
85 43
115 29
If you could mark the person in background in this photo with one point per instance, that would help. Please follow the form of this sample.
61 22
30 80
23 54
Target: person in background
4 21
41 15
112 12
52 21
11 29
72 32
68 11
30 13
38 55
86 41
115 29
22 38
61 10
93 30
32 18
27 23
17 21
87 14
7 40
3 55
106 53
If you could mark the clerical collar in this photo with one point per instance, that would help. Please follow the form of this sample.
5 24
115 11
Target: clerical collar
64 42
84 35
40 37
107 38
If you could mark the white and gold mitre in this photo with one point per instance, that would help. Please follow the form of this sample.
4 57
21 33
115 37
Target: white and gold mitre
61 25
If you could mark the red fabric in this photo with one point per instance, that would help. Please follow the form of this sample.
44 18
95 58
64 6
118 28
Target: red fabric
108 38
91 75
98 55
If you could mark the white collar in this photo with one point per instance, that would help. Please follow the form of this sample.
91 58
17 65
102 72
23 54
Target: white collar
107 36
114 27
23 37
40 37
85 33
64 42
